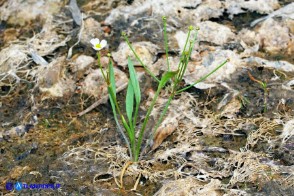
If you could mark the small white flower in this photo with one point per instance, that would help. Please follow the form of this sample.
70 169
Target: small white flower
97 45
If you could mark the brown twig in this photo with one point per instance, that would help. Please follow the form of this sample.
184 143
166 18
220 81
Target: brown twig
253 79
102 100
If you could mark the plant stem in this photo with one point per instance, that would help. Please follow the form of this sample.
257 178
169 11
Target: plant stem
124 136
186 55
203 78
138 58
127 128
140 138
99 62
163 114
165 41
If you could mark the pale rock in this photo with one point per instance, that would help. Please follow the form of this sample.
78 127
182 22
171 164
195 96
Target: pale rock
147 52
288 130
248 41
92 29
231 108
277 39
147 15
209 63
235 7
190 186
290 49
206 10
248 37
76 12
286 12
104 60
95 85
21 12
82 64
290 24
279 65
181 37
102 6
195 56
176 9
144 17
53 81
215 33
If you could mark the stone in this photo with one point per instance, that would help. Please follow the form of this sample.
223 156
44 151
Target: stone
210 62
53 81
279 65
19 12
95 85
81 64
92 29
190 186
278 38
147 52
215 33
235 7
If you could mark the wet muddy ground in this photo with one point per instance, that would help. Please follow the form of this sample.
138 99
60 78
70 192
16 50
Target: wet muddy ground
235 138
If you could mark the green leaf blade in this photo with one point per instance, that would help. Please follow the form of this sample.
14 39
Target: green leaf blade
165 78
134 81
130 101
112 100
112 78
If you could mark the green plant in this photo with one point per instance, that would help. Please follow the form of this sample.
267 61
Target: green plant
263 85
133 96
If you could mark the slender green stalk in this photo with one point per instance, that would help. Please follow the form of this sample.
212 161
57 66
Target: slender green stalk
165 41
136 115
113 100
186 55
203 78
147 116
110 91
99 62
162 114
182 68
188 37
138 58
264 88
165 78
124 136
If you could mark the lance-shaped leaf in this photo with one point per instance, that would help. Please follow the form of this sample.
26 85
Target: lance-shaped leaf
130 101
113 101
136 89
165 78
134 81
